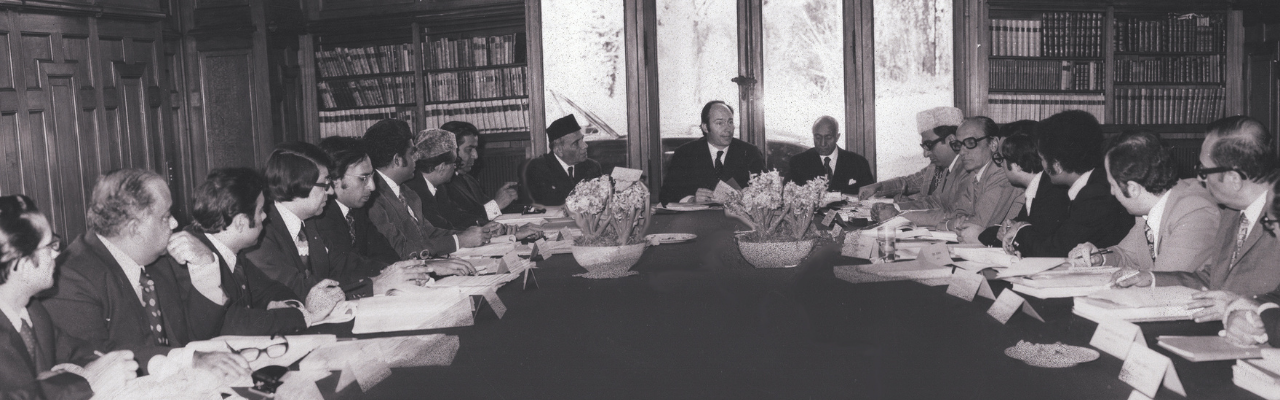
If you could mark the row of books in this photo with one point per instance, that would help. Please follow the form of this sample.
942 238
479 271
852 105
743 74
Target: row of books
1168 105
1174 33
1055 34
490 116
387 90
1189 69
1045 74
472 52
343 61
478 84
1009 107
355 122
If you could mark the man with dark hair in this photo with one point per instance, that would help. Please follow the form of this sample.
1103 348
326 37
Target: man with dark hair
228 217
436 165
1237 167
1177 218
936 184
112 294
345 224
397 211
698 166
466 192
1043 204
553 175
1070 148
846 171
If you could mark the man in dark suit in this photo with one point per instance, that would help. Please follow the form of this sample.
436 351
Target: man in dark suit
437 153
847 171
1070 148
228 217
554 175
1044 205
698 166
464 190
112 294
37 359
345 224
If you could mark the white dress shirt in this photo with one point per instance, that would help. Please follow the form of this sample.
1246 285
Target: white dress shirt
131 269
16 317
1078 185
1032 188
1153 218
978 177
1253 212
714 149
834 156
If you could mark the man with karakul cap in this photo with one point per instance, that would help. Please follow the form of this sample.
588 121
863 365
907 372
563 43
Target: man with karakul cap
937 185
553 175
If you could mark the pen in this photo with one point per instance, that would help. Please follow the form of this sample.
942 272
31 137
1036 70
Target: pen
1100 252
1127 276
98 353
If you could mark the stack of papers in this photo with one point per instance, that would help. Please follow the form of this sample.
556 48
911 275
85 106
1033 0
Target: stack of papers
1055 284
1207 348
492 250
1163 303
494 281
425 308
1260 375
367 362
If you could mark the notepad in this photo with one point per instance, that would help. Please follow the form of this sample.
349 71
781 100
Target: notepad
1159 296
1207 348
428 308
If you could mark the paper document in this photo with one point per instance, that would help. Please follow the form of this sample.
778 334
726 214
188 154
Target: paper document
1148 297
475 281
428 308
986 255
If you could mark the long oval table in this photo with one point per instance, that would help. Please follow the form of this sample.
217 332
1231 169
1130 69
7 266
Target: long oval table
699 322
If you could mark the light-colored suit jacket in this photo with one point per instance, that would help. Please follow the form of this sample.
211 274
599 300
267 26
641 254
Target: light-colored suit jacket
406 233
1254 272
910 191
1186 242
984 203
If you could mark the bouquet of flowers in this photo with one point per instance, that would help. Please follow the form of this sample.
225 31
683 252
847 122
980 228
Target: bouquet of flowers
776 212
610 214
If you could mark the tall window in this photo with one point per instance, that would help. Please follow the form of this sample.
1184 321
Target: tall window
697 57
913 73
803 72
585 72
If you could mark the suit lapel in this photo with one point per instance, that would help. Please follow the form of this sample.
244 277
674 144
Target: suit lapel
130 296
16 343
1255 233
319 256
277 228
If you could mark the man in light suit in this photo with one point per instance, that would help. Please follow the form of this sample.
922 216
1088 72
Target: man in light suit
938 184
698 166
554 175
847 171
1237 167
1176 219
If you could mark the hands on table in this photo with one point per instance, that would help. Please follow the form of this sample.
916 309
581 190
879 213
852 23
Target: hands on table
883 212
1008 234
1083 256
1243 326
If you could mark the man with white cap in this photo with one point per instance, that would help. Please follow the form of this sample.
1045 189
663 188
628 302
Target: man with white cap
552 176
938 184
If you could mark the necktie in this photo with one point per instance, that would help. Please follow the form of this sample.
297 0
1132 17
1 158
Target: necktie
1151 240
570 172
154 319
826 165
719 163
351 227
938 173
28 338
406 205
1241 234
304 249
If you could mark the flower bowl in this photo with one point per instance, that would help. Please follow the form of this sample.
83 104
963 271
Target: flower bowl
774 254
608 260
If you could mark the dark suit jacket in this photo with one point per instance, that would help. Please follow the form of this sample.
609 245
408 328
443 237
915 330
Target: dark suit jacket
469 195
1095 216
368 242
407 234
549 183
248 294
18 369
439 208
692 167
95 301
1048 209
277 257
851 172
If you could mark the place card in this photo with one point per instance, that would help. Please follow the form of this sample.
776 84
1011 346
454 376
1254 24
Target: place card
566 234
369 372
966 285
491 297
510 262
724 192
935 254
831 217
1115 337
836 231
528 273
1009 303
859 244
1145 370
626 174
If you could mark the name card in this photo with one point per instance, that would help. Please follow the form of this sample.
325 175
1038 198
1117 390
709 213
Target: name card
566 234
831 217
626 174
1009 303
510 262
859 244
491 297
528 273
935 254
1116 337
1145 369
837 231
966 284
724 192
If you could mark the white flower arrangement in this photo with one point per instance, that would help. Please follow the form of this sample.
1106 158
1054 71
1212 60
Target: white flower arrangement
608 214
776 211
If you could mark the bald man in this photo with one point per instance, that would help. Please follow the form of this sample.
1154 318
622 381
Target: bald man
845 170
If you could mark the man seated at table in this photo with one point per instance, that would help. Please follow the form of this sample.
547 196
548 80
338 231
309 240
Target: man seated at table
37 359
345 224
1177 219
846 171
1070 148
1256 320
697 167
397 211
1043 206
436 149
1237 166
110 292
555 174
986 198
227 216
936 184
466 192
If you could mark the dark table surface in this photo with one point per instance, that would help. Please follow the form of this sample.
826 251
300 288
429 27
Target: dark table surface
699 322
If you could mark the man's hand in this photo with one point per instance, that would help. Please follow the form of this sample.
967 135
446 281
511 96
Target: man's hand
230 366
868 191
969 232
704 196
1082 256
1130 277
323 297
525 231
111 371
1009 235
450 267
472 237
883 212
186 249
401 273
506 195
1212 304
494 228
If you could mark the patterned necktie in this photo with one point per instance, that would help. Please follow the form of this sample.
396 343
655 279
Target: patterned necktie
154 319
351 227
28 338
826 166
1241 234
304 248
938 173
719 163
1151 240
570 172
406 204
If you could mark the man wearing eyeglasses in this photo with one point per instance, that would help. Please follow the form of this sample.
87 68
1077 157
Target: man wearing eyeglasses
1176 219
1043 205
1237 167
345 224
937 184
1252 321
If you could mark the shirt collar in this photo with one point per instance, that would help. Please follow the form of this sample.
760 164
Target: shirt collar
1255 210
563 165
16 316
291 221
345 210
1034 186
1154 216
835 156
223 251
395 187
983 170
126 263
952 167
432 187
713 150
1078 185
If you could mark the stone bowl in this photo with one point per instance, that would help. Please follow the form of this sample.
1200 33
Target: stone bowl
774 254
608 259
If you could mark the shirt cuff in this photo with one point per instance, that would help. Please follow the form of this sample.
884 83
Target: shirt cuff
1267 306
687 199
492 210
165 365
